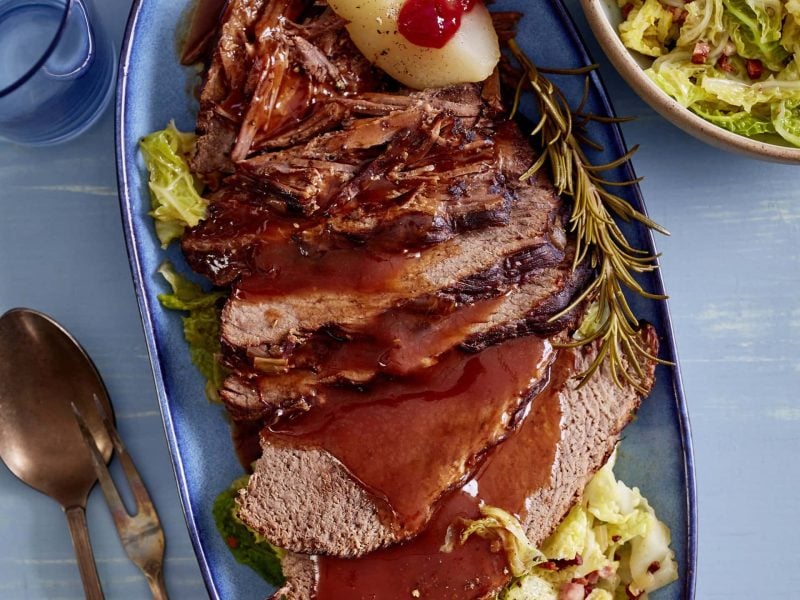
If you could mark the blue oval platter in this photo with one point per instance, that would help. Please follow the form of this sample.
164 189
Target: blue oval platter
656 453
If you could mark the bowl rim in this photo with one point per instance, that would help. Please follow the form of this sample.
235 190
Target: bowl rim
622 59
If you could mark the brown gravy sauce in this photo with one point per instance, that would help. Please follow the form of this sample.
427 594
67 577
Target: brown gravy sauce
282 252
407 440
509 477
247 442
469 571
292 268
399 341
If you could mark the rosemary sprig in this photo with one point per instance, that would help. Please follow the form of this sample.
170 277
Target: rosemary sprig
563 136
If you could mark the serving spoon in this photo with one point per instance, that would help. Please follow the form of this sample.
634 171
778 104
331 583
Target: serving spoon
43 370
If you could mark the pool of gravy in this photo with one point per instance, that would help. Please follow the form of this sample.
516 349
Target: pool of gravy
512 474
407 440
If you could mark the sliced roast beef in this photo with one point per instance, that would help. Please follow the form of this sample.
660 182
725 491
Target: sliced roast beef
273 80
395 183
401 341
538 473
378 162
366 468
301 573
298 290
225 79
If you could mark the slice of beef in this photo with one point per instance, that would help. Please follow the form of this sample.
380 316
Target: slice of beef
392 182
301 572
366 468
438 180
225 80
401 151
264 400
589 422
401 342
298 291
273 80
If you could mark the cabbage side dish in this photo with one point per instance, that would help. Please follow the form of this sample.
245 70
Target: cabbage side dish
610 546
732 62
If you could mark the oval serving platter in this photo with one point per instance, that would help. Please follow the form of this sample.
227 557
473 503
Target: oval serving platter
656 453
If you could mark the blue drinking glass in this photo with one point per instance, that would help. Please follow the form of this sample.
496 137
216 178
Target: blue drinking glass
56 70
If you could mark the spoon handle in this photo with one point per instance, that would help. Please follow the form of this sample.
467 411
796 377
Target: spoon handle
76 517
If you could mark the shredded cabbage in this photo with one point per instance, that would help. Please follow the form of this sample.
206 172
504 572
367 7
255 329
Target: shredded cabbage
528 588
648 26
499 524
176 204
200 326
610 546
786 119
174 194
742 122
732 62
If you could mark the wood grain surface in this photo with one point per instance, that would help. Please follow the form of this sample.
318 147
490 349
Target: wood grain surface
731 266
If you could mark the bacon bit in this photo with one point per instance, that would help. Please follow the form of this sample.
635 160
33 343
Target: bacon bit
616 538
593 577
232 542
754 68
607 571
572 591
700 53
724 64
654 566
678 15
626 10
563 563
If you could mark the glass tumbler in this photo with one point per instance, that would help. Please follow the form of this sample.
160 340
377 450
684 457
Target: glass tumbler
56 70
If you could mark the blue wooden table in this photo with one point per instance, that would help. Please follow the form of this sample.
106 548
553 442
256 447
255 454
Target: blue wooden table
732 267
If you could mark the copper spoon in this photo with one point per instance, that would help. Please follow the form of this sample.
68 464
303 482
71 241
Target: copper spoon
43 370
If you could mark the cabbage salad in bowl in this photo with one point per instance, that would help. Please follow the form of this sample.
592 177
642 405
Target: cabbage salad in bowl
732 62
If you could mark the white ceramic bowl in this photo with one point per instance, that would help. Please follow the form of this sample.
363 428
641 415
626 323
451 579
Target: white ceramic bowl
604 17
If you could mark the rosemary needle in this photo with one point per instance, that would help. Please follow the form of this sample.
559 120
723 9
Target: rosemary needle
563 139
